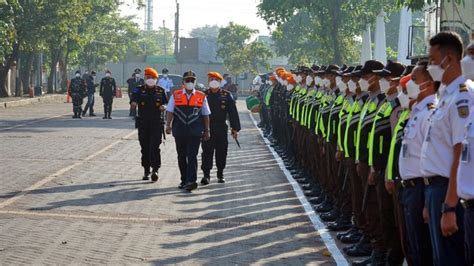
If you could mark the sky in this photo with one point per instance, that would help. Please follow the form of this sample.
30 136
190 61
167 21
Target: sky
197 13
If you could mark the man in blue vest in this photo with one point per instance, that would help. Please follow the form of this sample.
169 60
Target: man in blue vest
188 119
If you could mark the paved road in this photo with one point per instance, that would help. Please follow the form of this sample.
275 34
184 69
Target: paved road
72 193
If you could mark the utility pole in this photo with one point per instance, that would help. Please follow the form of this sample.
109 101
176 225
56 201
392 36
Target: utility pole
176 30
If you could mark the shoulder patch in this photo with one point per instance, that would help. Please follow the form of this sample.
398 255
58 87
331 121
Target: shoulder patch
463 111
463 87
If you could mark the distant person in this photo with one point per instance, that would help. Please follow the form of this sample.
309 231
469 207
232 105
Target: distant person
165 82
231 87
77 91
91 85
134 82
107 91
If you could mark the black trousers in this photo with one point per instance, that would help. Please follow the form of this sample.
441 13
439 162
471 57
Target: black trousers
77 100
187 148
217 145
108 100
150 140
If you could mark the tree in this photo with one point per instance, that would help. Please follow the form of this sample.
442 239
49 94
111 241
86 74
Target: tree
207 32
154 42
238 54
330 26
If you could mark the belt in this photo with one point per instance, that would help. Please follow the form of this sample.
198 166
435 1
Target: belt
412 182
435 180
467 204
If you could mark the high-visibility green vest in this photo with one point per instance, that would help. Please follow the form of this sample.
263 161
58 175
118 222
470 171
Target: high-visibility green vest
384 112
299 108
307 101
268 95
396 136
331 124
369 107
343 114
324 108
355 109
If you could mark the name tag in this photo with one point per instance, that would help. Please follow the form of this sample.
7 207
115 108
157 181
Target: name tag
465 152
404 150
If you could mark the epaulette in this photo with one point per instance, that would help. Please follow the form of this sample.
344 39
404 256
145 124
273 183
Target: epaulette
225 92
431 106
463 87
200 92
159 87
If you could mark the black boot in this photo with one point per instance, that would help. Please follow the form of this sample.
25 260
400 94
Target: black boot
206 179
110 112
105 112
146 174
220 176
154 175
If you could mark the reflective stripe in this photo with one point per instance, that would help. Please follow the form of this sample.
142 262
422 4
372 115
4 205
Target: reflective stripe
396 136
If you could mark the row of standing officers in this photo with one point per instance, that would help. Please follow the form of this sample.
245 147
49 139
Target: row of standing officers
383 151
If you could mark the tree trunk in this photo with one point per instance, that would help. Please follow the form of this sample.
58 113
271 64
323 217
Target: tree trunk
335 33
4 68
54 60
25 71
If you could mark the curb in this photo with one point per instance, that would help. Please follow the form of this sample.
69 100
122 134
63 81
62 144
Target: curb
56 98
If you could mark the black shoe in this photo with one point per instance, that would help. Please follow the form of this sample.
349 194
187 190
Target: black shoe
347 232
359 250
105 117
83 113
92 114
366 261
324 207
320 199
330 216
146 177
220 176
154 176
205 181
109 117
351 238
340 224
181 185
221 180
191 186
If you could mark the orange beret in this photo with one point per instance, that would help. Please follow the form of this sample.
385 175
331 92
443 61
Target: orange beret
279 69
151 72
404 81
290 79
215 75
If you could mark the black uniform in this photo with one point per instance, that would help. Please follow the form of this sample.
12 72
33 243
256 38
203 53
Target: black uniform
149 122
107 91
133 83
77 93
222 104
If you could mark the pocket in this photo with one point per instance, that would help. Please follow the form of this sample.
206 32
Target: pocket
438 115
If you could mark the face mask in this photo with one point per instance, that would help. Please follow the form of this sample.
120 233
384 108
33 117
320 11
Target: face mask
326 82
342 85
399 89
318 81
214 84
107 74
364 85
285 83
413 89
436 71
384 85
352 86
137 76
78 75
189 86
151 82
404 100
338 80
165 75
467 66
290 87
309 80
298 79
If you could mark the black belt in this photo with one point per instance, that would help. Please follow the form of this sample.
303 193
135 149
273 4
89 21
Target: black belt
435 180
412 182
467 204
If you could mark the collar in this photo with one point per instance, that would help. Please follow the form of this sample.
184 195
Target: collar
192 93
428 99
362 94
454 85
374 94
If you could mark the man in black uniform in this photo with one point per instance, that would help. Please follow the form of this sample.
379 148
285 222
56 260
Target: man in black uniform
90 81
221 104
151 100
77 93
133 83
107 91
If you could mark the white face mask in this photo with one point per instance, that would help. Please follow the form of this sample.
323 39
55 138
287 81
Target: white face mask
309 80
290 87
341 85
352 86
384 85
318 81
107 74
298 79
150 82
137 76
364 85
165 75
214 84
413 90
78 75
399 89
467 66
326 83
338 80
404 100
285 83
436 71
189 86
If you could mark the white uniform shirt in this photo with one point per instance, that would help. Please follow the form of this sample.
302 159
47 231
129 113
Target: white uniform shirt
466 166
205 106
413 137
166 83
446 129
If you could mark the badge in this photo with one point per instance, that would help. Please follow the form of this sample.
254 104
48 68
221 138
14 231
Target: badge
465 151
404 150
463 111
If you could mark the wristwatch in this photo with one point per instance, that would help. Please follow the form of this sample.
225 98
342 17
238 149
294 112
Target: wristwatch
446 208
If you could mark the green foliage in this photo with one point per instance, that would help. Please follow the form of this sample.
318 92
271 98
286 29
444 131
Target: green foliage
8 34
154 42
238 54
207 32
420 4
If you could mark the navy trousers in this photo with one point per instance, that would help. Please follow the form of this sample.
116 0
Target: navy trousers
187 149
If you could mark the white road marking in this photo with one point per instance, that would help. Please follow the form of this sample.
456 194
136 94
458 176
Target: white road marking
317 223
